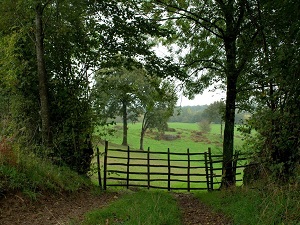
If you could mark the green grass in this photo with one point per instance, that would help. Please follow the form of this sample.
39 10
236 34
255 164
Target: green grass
255 206
33 175
186 132
143 207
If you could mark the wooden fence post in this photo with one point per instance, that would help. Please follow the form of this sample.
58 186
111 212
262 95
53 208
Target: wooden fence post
169 171
206 171
128 162
148 167
188 172
98 169
105 164
234 164
211 170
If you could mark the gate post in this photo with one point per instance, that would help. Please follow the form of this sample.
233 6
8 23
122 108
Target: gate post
128 165
98 168
188 172
169 171
105 164
211 170
148 167
206 170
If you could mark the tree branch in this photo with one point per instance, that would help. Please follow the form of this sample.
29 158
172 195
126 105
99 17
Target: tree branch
196 18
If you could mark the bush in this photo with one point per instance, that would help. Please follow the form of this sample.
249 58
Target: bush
204 126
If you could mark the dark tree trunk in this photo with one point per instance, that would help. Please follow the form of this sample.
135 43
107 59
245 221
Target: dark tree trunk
42 76
228 175
125 128
231 74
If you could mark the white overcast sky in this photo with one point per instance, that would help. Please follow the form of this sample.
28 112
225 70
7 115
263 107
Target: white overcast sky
206 98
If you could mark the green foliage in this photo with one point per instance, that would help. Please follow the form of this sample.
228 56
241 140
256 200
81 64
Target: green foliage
187 114
204 126
273 93
214 112
33 175
138 208
251 206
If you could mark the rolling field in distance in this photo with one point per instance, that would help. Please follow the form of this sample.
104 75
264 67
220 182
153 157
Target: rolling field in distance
188 135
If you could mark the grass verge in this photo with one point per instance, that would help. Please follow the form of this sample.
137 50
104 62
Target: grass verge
32 175
269 205
143 207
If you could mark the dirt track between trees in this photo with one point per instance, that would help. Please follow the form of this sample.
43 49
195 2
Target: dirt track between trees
49 210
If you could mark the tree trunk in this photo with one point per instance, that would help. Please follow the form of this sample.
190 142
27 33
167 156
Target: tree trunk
125 128
228 175
232 75
42 76
221 135
142 140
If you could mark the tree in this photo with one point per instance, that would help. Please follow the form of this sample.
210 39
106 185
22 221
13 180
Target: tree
68 44
274 88
204 125
116 94
158 101
218 36
42 73
215 113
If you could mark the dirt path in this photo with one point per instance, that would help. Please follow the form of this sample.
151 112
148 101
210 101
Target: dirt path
196 213
50 210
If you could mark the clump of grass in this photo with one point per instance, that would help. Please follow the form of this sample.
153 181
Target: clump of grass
32 175
144 207
253 206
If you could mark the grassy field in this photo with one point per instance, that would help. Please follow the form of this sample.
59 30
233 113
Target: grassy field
187 136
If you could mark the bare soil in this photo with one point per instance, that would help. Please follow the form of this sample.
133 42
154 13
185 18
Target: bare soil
15 209
196 212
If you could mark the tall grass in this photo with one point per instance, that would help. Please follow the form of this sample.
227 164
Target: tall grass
143 207
33 175
255 206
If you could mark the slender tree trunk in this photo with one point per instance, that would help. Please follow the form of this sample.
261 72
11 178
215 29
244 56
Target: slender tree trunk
142 140
42 76
125 126
221 129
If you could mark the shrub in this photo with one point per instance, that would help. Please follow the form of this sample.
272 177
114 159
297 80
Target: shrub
204 126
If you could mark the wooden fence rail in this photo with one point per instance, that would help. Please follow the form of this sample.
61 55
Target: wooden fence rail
162 170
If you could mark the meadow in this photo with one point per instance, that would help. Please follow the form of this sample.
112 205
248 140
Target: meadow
188 136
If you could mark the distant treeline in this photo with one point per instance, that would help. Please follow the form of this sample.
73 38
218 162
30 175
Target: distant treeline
194 114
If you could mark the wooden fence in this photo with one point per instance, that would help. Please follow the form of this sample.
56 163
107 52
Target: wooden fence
163 170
